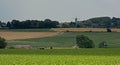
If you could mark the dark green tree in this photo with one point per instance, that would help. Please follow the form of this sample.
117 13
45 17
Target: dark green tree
3 44
15 24
84 42
8 24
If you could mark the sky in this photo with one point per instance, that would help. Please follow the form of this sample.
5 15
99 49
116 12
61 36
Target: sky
60 10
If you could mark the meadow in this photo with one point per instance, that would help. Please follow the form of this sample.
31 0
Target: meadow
67 39
110 56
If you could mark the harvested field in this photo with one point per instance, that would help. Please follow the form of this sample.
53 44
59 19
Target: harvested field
26 35
85 29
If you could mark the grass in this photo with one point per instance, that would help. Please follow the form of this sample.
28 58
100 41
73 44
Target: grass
27 30
68 39
109 56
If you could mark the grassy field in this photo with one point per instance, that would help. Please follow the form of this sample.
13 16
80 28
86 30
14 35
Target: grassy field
109 56
68 39
27 30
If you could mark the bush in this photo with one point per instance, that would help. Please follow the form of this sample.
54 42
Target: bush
84 42
103 45
109 30
3 44
51 47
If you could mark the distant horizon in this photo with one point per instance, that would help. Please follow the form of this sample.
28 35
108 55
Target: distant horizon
58 20
60 10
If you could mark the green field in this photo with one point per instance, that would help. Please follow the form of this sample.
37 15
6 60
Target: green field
68 39
96 56
27 30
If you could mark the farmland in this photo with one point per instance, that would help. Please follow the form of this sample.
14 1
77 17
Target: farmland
63 52
67 39
26 35
84 29
96 56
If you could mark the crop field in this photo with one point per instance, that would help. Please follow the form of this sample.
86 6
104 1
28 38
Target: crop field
110 56
25 35
67 39
84 29
26 30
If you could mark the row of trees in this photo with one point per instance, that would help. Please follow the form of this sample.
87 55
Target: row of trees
99 22
47 23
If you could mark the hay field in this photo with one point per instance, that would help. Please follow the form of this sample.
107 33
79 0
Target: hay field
25 35
85 29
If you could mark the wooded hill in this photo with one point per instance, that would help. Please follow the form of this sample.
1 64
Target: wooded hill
98 22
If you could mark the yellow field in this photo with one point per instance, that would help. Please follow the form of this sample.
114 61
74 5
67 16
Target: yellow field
25 35
85 29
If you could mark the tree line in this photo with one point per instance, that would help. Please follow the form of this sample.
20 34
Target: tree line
98 22
28 24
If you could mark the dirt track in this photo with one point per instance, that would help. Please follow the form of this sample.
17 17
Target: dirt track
26 35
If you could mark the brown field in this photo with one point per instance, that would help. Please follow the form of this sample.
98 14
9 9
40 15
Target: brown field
84 29
26 35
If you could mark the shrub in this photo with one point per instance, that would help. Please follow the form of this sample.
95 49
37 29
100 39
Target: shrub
84 42
109 30
103 45
3 44
51 47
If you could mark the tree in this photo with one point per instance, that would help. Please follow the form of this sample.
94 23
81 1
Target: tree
8 24
84 42
3 44
15 24
50 24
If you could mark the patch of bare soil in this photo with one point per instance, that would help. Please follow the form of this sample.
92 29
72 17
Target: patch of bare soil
26 35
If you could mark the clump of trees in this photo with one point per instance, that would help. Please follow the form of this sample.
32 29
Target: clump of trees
3 44
84 42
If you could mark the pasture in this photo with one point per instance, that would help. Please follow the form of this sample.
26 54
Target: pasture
96 56
67 39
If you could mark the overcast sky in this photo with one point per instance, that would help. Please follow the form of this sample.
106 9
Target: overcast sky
61 10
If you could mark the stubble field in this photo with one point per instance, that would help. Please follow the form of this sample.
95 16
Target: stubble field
85 29
26 35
